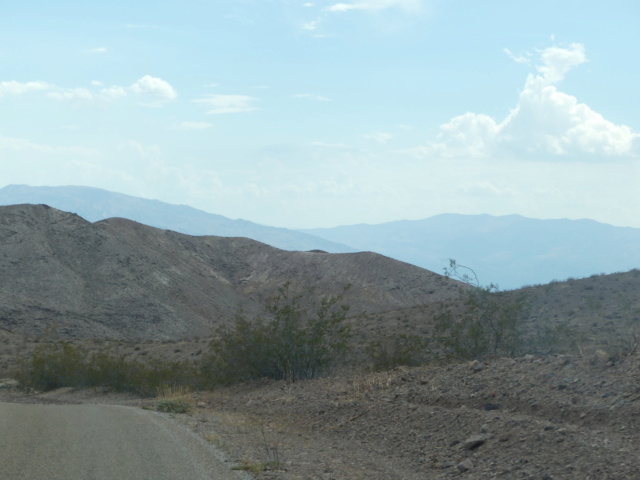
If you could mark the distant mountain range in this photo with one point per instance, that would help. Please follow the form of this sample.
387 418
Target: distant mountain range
95 204
511 251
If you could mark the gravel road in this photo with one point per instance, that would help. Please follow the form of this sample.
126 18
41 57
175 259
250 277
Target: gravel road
96 442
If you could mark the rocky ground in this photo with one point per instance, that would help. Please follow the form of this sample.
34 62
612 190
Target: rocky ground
555 417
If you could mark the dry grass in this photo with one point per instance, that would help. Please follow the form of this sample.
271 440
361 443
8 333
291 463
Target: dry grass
173 399
371 382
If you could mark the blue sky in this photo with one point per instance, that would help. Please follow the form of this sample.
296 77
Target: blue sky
322 113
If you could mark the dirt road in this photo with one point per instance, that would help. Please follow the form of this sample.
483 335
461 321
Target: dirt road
96 442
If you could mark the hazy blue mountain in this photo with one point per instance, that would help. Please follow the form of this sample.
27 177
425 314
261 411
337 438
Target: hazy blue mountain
95 204
511 251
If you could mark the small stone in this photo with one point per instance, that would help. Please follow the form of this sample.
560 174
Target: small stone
474 442
8 384
465 465
476 366
602 356
201 405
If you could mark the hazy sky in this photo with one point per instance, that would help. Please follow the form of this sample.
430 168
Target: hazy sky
321 113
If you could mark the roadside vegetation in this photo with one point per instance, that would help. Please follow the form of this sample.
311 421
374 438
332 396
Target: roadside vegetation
488 323
62 364
289 343
302 337
292 343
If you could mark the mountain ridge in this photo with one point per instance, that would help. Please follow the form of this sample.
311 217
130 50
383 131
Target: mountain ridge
95 204
118 278
512 251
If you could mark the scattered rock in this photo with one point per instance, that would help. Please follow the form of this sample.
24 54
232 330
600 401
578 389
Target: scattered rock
465 465
8 383
474 442
476 366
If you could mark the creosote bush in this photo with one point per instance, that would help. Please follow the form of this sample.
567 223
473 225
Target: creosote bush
62 364
487 325
396 351
292 343
491 323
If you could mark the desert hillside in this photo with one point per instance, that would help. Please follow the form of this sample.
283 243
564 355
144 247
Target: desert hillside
568 411
120 279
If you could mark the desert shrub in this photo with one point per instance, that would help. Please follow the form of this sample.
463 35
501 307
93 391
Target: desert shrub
174 406
61 364
156 376
53 365
174 400
488 324
545 338
396 351
494 323
292 343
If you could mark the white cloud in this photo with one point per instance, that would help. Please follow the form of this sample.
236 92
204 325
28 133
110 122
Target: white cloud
217 104
556 61
114 92
312 26
545 121
72 94
410 6
154 88
18 88
83 96
517 58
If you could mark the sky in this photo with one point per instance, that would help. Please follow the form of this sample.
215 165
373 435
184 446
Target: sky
303 114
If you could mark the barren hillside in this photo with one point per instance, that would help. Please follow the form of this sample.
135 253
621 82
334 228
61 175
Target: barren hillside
120 279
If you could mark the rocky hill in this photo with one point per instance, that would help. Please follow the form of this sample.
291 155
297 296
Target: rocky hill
120 279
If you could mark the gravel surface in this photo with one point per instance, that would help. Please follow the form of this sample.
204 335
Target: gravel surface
542 418
539 418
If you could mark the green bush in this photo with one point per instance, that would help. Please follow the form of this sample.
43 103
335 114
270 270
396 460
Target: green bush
396 351
174 405
488 324
53 365
61 364
291 344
